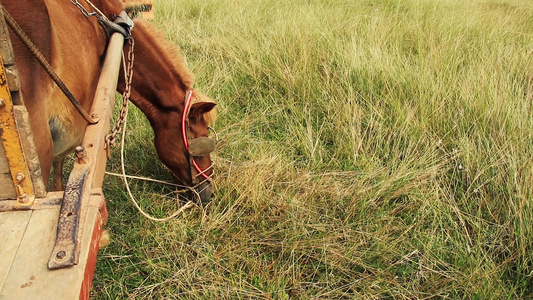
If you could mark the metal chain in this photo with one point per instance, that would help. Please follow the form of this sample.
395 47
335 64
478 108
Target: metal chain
84 11
128 75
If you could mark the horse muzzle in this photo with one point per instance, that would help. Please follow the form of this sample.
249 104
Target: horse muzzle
198 147
204 191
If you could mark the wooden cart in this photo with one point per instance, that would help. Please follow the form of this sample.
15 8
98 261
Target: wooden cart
38 258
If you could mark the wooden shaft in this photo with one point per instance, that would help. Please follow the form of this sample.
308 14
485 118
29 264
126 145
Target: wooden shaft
86 176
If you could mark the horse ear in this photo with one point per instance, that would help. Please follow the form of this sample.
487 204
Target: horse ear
203 106
204 110
200 108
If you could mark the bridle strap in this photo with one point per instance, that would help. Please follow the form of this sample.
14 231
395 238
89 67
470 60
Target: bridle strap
186 108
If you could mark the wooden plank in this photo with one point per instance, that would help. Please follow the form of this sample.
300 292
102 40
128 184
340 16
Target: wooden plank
12 227
29 266
97 201
8 56
104 100
5 42
29 277
28 146
13 80
7 190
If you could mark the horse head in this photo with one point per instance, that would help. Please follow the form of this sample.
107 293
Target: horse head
180 116
183 145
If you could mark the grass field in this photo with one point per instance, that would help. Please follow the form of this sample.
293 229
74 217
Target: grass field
371 149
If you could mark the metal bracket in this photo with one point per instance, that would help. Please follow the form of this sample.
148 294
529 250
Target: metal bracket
66 250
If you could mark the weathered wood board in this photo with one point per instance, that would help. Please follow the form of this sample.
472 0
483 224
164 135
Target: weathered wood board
7 190
27 241
28 146
12 227
27 237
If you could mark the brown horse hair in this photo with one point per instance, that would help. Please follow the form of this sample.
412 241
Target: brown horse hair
170 50
174 56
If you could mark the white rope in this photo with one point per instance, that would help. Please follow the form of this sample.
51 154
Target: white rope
146 179
188 205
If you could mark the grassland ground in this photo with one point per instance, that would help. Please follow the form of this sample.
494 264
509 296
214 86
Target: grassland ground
370 150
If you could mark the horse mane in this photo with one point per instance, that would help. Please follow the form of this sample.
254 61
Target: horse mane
172 52
168 49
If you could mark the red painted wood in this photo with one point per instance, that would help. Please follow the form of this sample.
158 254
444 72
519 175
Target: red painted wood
93 251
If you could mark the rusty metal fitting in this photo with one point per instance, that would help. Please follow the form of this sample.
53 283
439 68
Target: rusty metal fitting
22 197
61 255
20 177
95 117
81 155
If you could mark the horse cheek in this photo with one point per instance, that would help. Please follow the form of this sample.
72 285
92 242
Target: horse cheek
172 155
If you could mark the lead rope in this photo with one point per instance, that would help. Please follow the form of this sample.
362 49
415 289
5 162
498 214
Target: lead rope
188 205
120 126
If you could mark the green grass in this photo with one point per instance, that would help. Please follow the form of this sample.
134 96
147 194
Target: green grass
371 149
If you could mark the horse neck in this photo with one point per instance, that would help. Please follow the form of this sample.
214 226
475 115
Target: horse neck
160 78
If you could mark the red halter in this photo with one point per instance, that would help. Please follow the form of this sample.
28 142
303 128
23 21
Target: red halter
188 97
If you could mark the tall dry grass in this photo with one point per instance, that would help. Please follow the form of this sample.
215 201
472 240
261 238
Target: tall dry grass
371 149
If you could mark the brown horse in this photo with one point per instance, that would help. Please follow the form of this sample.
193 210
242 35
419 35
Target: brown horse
74 45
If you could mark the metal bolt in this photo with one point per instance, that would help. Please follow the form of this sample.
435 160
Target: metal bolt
95 117
23 198
61 255
20 177
80 154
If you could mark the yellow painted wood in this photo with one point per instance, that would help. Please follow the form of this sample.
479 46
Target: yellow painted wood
10 139
7 190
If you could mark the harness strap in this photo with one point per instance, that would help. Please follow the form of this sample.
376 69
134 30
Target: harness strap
123 24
